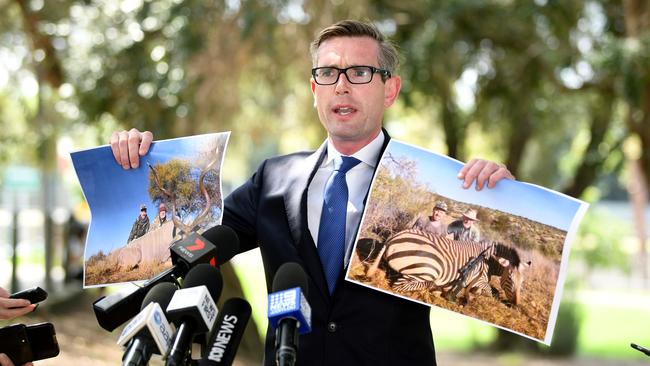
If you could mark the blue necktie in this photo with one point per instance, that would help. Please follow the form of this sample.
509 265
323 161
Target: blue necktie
331 232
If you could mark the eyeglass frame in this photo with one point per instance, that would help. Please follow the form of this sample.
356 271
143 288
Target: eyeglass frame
385 74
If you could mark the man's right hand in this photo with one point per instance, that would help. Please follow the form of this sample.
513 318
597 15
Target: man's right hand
129 146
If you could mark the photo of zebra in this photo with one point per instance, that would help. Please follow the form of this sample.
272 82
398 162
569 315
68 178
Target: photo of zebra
497 255
427 261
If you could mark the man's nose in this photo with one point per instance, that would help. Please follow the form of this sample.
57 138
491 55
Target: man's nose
342 86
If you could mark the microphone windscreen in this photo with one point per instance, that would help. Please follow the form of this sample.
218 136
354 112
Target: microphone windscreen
226 241
290 275
227 333
205 274
161 293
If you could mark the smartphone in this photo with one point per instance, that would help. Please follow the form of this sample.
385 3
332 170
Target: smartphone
25 343
42 339
34 295
14 343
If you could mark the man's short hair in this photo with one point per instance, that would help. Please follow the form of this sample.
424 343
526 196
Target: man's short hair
388 55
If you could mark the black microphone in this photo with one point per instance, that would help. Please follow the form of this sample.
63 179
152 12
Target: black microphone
193 310
289 312
114 310
149 332
227 333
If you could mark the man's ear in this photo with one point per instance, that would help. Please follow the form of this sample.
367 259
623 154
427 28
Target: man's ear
313 90
391 90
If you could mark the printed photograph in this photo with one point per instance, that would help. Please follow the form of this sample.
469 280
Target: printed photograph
497 255
138 213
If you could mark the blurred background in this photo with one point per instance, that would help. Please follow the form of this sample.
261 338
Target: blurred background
557 90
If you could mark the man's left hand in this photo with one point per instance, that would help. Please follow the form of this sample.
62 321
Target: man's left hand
483 171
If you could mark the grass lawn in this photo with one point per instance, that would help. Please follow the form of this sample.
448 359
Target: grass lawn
610 322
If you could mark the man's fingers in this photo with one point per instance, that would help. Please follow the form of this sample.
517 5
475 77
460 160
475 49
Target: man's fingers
134 139
129 146
483 171
147 137
123 148
115 146
463 171
472 173
501 173
484 175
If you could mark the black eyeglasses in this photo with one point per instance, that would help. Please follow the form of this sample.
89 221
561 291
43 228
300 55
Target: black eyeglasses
355 74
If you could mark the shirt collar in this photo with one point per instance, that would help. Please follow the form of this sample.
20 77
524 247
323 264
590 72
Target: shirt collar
369 154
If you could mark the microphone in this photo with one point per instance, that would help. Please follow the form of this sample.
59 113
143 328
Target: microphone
227 334
289 311
149 332
193 309
114 310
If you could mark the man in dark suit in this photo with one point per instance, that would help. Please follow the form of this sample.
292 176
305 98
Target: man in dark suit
280 208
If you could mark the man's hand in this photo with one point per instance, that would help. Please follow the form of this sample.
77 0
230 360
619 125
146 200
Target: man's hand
129 146
483 171
12 308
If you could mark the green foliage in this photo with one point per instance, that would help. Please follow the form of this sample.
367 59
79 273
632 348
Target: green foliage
179 178
530 94
599 242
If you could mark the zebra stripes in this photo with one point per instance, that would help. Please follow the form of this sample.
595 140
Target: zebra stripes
426 261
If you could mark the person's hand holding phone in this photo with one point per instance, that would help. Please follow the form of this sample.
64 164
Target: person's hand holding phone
9 309
12 308
5 361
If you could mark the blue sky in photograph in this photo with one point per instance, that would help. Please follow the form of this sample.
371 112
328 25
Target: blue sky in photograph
114 195
440 172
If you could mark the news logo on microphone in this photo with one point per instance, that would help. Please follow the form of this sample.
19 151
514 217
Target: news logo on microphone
193 250
290 303
152 320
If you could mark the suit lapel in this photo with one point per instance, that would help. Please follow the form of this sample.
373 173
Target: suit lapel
295 200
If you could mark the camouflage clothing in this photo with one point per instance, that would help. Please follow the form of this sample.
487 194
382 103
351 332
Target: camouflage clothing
462 233
140 227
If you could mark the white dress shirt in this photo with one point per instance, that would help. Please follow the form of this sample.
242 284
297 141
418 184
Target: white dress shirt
358 180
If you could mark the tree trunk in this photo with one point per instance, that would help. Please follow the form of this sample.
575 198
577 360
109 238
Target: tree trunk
521 132
453 126
594 157
637 25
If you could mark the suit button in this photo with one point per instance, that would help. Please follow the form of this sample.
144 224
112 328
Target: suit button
331 327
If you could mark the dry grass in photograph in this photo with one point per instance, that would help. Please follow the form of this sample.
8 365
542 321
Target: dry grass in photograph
530 317
104 269
398 199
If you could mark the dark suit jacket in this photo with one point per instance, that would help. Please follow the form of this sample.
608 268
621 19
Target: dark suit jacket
355 325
